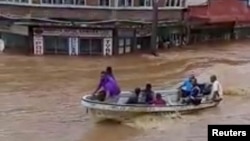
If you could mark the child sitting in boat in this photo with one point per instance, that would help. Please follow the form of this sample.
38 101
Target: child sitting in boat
159 101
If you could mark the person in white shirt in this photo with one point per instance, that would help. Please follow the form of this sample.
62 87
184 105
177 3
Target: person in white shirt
217 91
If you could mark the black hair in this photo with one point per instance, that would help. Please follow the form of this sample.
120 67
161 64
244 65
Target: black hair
109 70
137 91
148 86
158 95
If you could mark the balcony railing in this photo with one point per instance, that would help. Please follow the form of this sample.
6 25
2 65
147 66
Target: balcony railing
143 5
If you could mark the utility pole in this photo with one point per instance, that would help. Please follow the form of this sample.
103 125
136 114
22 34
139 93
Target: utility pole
154 27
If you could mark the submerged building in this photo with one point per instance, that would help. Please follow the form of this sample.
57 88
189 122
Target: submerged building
219 20
83 27
111 27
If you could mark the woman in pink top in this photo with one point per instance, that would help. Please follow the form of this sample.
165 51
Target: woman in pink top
159 101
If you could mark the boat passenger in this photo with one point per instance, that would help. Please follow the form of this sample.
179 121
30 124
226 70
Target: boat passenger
101 82
217 90
186 87
206 88
108 84
195 95
133 99
147 95
101 96
159 101
109 71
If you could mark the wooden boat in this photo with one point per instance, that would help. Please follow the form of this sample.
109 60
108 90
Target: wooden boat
120 111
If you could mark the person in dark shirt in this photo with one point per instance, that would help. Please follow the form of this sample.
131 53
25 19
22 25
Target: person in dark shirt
133 99
147 95
195 95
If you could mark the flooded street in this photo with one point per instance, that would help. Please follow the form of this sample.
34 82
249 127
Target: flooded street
40 96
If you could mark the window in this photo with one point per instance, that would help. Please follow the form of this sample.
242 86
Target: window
124 3
175 3
55 45
80 2
172 3
145 2
15 1
69 2
128 42
104 2
58 1
91 46
47 1
66 2
121 42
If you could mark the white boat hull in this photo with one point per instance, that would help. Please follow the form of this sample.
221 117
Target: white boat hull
121 112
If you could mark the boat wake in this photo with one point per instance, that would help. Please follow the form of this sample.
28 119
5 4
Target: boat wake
153 121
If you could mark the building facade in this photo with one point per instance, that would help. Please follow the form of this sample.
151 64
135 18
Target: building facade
87 27
114 27
210 22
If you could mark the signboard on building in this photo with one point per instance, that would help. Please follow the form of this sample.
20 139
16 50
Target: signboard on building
143 32
125 33
38 45
76 32
107 47
73 46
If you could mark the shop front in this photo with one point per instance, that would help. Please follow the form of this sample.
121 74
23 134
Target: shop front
126 40
143 38
172 35
73 42
212 32
242 31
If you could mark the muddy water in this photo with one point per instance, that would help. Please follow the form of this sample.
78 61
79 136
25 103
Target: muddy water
40 96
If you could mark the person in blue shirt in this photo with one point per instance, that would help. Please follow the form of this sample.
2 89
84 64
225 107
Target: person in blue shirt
187 86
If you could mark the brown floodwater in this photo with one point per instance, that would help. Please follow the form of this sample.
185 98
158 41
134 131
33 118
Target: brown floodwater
40 96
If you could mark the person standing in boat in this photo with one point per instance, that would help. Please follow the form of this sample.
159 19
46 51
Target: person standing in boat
217 90
109 85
